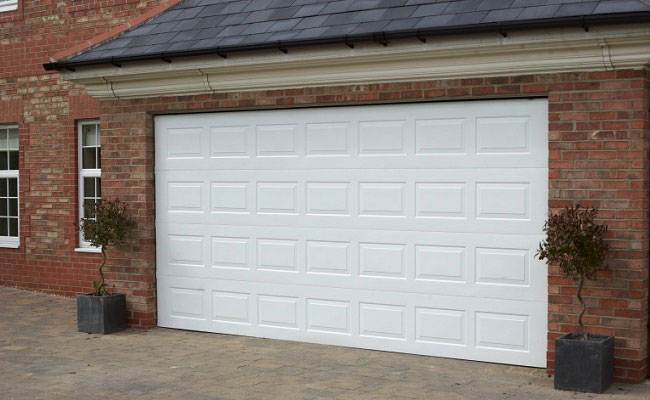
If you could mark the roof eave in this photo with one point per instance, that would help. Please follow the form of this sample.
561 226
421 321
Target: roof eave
381 37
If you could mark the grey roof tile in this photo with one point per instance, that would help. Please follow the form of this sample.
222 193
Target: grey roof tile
430 9
500 15
370 27
569 10
368 15
494 5
339 19
539 12
236 7
309 10
402 24
337 6
284 13
189 13
311 33
472 18
258 27
282 36
434 20
365 5
258 16
462 6
214 9
311 22
212 24
284 25
620 6
529 3
233 19
339 30
395 13
257 5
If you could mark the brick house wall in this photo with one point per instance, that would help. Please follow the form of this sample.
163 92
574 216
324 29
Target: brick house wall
46 109
599 128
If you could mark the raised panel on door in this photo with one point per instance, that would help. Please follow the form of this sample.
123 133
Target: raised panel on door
476 265
469 200
485 134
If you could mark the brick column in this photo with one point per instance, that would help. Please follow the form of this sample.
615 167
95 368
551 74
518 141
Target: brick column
128 174
598 135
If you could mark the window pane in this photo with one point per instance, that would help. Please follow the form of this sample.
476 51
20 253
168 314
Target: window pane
13 227
89 187
3 139
13 139
4 227
4 160
89 135
98 187
99 157
3 187
89 208
13 207
4 208
13 187
13 160
89 159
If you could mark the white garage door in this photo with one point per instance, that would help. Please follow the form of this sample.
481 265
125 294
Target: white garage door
408 228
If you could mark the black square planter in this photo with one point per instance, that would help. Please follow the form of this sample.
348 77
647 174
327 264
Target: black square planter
101 314
584 365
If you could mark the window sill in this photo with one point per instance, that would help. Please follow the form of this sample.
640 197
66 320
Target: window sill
9 6
9 245
88 250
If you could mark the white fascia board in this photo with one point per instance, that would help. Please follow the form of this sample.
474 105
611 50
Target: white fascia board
447 57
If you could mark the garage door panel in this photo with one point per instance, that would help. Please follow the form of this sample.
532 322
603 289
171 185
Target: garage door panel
428 200
414 135
478 265
408 227
447 326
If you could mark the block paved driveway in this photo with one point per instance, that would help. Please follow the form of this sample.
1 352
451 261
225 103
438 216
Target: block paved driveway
42 356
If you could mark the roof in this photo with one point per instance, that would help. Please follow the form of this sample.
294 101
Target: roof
195 27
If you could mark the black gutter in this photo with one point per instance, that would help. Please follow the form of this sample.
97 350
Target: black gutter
379 37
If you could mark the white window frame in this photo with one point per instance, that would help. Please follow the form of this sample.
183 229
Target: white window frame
85 246
8 5
11 241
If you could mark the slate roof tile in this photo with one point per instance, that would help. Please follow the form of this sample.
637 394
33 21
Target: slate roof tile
217 24
500 15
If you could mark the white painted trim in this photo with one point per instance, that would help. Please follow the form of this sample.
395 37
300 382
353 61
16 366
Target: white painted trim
12 242
465 56
85 173
8 5
88 250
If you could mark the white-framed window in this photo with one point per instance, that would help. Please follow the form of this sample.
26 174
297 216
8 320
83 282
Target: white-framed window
90 172
8 5
9 210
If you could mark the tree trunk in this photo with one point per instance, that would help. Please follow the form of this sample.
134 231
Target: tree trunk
584 308
102 283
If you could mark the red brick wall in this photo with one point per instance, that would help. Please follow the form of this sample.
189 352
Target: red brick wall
598 131
46 109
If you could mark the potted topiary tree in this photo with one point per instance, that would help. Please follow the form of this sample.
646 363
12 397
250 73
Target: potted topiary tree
100 311
576 243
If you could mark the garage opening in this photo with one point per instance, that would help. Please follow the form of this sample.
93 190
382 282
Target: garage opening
405 227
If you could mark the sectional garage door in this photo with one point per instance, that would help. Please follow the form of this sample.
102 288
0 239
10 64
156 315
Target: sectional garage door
408 228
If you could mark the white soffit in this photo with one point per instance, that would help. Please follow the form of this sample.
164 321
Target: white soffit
444 57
